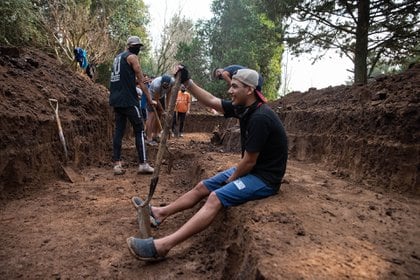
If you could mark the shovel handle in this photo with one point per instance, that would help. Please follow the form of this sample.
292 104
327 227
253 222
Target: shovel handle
51 101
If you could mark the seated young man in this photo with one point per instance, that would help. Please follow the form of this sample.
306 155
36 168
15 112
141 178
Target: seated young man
258 174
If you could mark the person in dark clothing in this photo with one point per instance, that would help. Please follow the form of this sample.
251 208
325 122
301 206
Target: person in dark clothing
125 100
257 175
227 73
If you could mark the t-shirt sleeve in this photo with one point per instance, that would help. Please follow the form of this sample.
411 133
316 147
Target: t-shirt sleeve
228 109
258 132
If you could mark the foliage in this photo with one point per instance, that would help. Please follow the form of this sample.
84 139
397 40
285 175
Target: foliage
20 23
101 27
240 34
194 54
368 32
178 31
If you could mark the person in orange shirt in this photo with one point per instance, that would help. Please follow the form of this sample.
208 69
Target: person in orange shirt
182 107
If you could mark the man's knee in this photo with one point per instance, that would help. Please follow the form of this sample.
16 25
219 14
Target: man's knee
213 201
201 189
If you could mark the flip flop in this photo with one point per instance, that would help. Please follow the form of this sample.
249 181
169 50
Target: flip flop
138 202
143 249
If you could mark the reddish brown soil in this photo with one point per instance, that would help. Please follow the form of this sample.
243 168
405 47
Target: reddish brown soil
326 222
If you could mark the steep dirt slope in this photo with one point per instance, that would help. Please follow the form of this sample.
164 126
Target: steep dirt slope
30 149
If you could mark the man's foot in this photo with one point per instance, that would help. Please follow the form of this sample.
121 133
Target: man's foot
143 249
138 202
181 135
151 143
145 168
118 169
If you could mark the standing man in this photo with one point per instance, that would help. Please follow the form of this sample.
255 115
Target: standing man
125 69
258 174
160 88
182 107
228 72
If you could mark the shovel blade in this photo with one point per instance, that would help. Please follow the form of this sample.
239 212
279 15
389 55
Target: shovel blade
70 174
143 217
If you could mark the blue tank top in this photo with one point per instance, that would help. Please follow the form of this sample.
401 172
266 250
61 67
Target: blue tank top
123 83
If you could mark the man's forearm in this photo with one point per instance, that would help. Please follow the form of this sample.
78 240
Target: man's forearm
204 96
243 168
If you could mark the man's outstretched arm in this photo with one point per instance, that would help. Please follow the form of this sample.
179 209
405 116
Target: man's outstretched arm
204 96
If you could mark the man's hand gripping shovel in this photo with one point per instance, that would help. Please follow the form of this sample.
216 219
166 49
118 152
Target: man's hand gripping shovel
143 210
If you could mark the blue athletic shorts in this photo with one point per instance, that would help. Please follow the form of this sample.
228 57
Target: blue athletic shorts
243 189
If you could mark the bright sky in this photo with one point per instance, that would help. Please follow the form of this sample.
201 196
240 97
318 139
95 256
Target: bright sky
303 75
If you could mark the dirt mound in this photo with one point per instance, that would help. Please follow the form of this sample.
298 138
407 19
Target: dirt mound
369 133
30 149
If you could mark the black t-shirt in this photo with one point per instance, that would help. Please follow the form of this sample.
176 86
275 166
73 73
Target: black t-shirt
123 83
262 132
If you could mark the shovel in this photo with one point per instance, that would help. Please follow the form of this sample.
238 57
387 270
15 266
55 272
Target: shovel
143 213
68 171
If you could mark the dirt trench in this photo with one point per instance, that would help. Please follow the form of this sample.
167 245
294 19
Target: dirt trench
348 207
74 231
319 226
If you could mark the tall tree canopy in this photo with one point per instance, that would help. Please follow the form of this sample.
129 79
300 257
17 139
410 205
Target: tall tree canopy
20 24
178 31
100 27
195 54
240 34
369 32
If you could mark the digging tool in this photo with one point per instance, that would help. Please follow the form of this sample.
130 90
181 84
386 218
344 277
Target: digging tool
143 212
157 118
70 173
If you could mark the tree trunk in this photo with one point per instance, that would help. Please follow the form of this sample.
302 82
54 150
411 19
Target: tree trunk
361 51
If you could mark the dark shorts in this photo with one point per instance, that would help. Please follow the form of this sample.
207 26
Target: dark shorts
243 189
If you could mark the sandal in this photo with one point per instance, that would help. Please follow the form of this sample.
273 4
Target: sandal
138 202
143 249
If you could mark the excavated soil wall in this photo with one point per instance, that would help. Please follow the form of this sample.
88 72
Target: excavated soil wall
30 148
369 133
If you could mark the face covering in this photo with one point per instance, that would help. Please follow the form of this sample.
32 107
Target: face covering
134 49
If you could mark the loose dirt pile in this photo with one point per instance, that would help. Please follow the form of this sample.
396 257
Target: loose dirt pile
326 222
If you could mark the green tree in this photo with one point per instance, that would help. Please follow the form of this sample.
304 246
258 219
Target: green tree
369 32
101 27
178 31
241 34
20 23
194 54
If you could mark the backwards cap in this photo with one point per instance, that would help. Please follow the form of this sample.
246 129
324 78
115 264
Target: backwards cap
249 77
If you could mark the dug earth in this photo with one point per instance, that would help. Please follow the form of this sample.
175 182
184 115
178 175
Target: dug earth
348 207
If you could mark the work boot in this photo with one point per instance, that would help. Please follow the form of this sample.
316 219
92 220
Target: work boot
145 168
118 169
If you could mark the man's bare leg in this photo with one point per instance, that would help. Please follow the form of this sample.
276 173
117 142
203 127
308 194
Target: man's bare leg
186 201
200 221
149 126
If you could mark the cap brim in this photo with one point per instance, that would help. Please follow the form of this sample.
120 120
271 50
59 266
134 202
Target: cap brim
132 45
261 96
